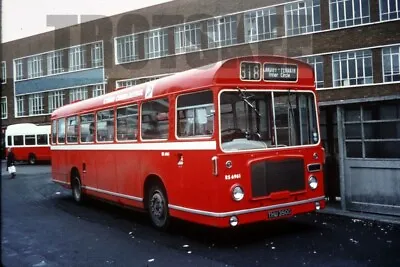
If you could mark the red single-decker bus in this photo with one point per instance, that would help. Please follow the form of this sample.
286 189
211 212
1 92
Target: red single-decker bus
227 144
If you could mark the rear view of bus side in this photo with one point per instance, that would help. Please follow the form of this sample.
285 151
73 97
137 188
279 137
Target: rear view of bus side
30 142
227 144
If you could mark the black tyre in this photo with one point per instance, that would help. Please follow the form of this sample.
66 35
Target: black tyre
158 206
76 188
32 159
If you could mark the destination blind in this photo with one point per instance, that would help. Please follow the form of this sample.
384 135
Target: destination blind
280 72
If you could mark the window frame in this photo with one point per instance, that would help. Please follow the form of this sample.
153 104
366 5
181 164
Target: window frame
337 4
338 79
3 72
141 119
391 55
177 119
137 124
97 125
4 108
266 13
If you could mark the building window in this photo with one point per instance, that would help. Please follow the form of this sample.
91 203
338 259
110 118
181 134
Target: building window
19 71
372 130
260 25
56 100
390 9
131 82
80 93
99 90
55 62
35 67
97 55
126 83
345 13
187 38
222 31
77 58
391 63
317 63
3 72
302 17
4 111
20 106
156 44
36 106
127 49
352 68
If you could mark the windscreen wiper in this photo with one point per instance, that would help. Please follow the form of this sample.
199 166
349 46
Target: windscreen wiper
246 98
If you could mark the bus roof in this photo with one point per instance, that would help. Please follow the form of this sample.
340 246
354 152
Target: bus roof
27 129
222 73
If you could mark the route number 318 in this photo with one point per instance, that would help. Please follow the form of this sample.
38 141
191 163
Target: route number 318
250 71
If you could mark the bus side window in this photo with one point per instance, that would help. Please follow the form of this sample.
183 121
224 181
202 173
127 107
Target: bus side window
41 139
195 114
155 122
87 129
30 140
72 129
9 141
54 132
18 140
127 118
105 125
61 131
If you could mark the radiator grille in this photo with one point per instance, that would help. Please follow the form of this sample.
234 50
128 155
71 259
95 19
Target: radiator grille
274 176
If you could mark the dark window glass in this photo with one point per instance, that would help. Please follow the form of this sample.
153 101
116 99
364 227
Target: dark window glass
127 119
155 121
41 139
18 140
29 140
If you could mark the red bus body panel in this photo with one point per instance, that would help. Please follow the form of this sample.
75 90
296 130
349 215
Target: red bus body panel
42 153
117 171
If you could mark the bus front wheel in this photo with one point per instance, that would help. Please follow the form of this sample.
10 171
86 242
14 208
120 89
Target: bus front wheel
158 206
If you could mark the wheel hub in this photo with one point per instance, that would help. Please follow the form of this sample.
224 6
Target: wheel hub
157 206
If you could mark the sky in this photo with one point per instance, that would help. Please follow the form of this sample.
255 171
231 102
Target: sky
22 18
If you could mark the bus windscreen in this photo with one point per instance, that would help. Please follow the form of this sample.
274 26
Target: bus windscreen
264 119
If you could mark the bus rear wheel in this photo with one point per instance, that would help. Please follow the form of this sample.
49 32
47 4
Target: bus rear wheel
32 159
76 188
158 206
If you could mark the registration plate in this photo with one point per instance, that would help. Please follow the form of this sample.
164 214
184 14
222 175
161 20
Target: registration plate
279 213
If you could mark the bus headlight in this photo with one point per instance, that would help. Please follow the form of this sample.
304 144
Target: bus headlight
237 193
313 182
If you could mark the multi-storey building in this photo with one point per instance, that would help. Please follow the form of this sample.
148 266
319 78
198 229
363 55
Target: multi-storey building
354 46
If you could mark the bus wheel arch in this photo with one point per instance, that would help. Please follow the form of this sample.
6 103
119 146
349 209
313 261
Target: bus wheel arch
155 200
32 159
76 185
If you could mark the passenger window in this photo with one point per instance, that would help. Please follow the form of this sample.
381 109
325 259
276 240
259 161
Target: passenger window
105 125
72 129
18 140
54 132
30 140
195 114
41 139
87 130
155 119
9 141
61 131
127 118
